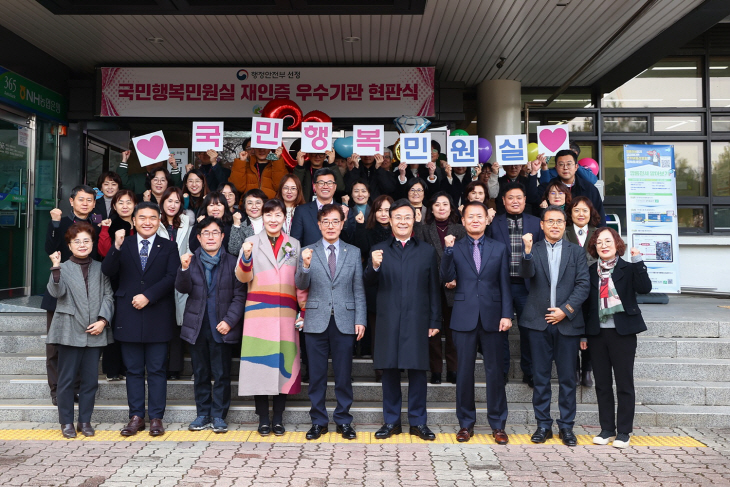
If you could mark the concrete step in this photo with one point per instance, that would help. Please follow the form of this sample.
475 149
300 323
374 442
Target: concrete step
25 322
112 411
364 389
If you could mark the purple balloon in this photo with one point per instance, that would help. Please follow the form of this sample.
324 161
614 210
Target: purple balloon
485 150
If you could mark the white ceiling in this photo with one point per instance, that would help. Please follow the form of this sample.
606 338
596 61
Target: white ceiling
543 44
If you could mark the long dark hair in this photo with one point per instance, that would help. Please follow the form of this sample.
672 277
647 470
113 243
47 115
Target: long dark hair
372 221
176 221
453 215
216 197
300 193
351 204
196 202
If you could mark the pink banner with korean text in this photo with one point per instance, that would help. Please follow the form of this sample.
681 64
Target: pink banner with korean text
357 92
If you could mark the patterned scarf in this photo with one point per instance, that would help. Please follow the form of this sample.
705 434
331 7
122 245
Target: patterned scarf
209 262
609 301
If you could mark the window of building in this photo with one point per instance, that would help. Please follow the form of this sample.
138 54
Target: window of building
720 167
720 82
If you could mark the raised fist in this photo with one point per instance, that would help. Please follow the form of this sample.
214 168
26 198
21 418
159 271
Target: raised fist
243 155
125 155
449 240
345 200
377 257
213 155
185 261
345 210
490 215
147 195
306 258
119 238
189 167
634 252
247 248
237 219
378 160
279 150
200 218
56 215
360 218
106 223
447 169
300 158
495 167
55 258
172 161
418 214
527 242
330 156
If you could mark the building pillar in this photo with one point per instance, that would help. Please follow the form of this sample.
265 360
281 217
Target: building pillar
498 108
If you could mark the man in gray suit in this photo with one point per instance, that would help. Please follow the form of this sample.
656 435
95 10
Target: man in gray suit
553 315
335 316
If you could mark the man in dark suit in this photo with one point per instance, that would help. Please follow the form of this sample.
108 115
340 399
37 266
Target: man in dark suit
146 267
559 284
409 313
509 228
82 210
335 316
482 310
513 174
305 170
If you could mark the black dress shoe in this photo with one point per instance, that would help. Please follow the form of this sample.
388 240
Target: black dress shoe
423 432
54 401
316 431
173 376
541 434
586 379
264 429
568 437
451 377
527 379
435 378
506 378
76 398
278 429
85 428
347 431
68 431
388 430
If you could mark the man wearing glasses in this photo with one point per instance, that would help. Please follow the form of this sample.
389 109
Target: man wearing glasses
408 314
335 317
559 284
304 226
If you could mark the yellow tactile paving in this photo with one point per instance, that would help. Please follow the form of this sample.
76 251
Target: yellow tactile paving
246 436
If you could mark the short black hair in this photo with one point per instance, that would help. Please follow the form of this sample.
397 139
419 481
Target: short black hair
414 181
575 148
401 203
325 171
329 208
208 220
514 185
146 205
254 193
110 175
475 203
151 175
82 188
566 152
435 145
554 208
273 204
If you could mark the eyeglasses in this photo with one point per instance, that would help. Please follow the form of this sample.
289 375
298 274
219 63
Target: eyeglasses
288 189
330 223
416 191
226 193
406 219
85 241
255 203
566 165
159 180
207 233
321 184
554 223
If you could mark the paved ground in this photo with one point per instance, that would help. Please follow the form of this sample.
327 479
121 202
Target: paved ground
114 462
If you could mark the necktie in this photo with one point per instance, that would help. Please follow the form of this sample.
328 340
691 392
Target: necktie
477 255
332 261
404 244
144 253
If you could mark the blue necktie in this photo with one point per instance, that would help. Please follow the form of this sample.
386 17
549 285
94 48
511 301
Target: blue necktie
332 260
144 253
477 256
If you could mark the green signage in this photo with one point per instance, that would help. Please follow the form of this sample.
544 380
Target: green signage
24 93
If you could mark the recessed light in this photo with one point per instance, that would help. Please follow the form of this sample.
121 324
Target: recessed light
352 39
156 40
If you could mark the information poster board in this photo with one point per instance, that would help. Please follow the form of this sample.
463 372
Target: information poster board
651 212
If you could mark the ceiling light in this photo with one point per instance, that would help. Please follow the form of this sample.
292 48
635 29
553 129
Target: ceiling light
674 68
718 67
352 39
156 40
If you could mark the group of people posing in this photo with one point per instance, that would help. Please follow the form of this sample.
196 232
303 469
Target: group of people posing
342 257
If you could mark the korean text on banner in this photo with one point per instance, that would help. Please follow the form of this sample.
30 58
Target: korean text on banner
651 212
207 135
151 148
551 139
368 140
511 149
267 133
461 150
316 137
415 148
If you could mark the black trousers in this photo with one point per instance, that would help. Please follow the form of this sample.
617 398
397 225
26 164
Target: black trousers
435 350
75 363
176 353
262 407
492 350
547 346
52 361
613 355
332 340
111 360
149 357
211 361
393 396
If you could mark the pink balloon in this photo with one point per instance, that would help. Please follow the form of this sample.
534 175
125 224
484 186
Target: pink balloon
591 164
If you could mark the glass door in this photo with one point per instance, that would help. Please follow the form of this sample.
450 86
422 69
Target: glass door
17 140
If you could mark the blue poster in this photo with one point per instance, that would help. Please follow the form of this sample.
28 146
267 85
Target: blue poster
651 212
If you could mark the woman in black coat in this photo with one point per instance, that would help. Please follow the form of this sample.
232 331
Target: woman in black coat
613 319
442 219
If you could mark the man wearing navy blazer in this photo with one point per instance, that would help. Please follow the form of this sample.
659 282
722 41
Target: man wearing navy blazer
146 267
482 312
559 284
509 228
335 317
